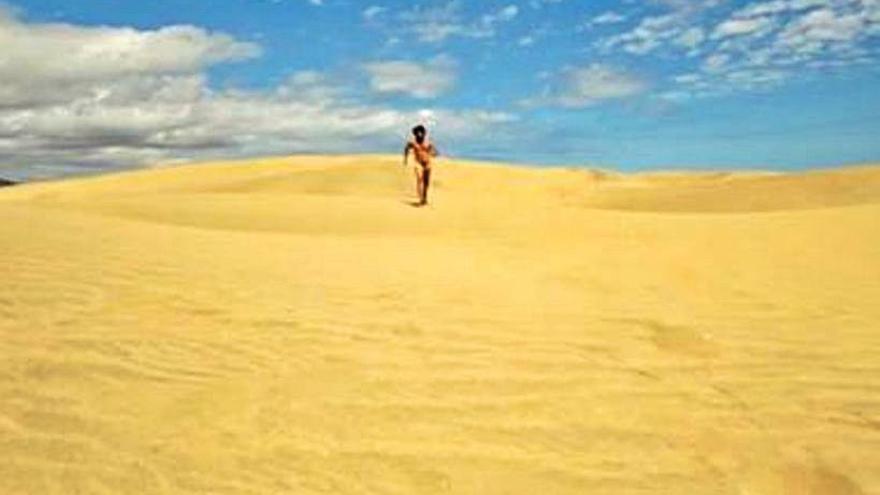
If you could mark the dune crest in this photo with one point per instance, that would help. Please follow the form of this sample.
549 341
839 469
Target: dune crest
292 325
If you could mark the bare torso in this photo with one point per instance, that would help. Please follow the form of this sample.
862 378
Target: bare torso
423 152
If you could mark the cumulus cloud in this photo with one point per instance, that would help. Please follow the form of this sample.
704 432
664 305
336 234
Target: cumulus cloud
48 63
419 80
75 98
580 87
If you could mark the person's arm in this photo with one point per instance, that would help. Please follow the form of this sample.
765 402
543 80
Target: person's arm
433 150
406 152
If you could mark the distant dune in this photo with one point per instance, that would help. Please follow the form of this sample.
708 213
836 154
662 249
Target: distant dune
294 326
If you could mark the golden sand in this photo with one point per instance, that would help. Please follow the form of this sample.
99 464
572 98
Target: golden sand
294 326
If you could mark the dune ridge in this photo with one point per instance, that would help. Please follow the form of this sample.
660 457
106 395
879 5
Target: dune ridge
292 325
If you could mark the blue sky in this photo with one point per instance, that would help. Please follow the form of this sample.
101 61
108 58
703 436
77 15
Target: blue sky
626 85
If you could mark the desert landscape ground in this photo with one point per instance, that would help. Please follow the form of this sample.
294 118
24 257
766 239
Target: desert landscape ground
293 325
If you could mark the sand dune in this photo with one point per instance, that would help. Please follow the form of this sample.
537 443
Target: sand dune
294 326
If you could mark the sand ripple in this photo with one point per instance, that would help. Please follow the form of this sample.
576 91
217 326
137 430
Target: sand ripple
294 327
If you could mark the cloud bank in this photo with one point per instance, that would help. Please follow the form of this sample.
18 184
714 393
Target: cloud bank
75 98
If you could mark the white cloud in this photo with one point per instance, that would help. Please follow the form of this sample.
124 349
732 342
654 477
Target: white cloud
538 4
691 38
52 62
373 11
433 25
764 8
775 7
756 46
609 17
808 26
648 35
755 79
821 26
419 80
716 62
726 81
136 97
585 86
527 40
688 78
740 27
504 14
690 6
439 23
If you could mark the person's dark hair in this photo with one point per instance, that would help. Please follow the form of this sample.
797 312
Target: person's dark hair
419 132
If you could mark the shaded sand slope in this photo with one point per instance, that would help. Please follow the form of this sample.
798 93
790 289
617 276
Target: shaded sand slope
293 326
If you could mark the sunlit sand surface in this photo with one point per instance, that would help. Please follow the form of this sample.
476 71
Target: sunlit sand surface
295 326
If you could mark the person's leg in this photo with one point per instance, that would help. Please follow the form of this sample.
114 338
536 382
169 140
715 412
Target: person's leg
426 178
419 181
